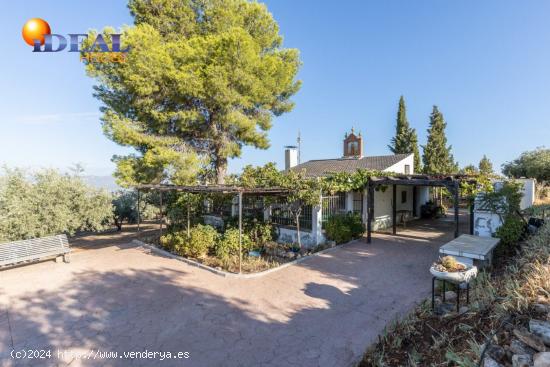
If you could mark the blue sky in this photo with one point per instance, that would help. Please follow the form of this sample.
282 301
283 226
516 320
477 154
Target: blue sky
485 64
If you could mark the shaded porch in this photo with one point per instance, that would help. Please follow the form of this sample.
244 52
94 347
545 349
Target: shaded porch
451 183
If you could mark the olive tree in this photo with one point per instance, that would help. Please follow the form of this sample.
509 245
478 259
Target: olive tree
47 203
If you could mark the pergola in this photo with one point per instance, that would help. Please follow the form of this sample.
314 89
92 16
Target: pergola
450 182
209 189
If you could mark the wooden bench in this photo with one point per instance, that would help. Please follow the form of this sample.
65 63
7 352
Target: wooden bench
18 252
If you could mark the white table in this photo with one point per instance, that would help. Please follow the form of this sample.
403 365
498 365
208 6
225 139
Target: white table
467 248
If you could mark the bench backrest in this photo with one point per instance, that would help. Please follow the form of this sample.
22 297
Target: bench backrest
34 249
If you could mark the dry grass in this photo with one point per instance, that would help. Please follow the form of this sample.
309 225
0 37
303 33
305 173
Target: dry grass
528 278
502 298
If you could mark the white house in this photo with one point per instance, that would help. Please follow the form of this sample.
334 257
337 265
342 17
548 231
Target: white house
409 198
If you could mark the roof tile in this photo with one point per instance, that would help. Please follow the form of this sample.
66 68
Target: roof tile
324 167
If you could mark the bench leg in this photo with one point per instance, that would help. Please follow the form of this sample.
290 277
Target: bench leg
67 258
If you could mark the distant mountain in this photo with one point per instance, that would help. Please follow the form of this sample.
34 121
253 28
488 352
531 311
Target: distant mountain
102 182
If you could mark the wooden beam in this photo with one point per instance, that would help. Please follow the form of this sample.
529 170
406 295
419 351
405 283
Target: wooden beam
370 211
394 210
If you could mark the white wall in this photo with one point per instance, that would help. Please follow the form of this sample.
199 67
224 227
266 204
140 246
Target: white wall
528 191
383 205
486 224
399 167
308 238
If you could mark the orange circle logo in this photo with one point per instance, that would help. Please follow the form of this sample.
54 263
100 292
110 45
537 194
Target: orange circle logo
35 29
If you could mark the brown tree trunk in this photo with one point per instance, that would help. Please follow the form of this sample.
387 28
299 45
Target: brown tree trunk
298 212
221 170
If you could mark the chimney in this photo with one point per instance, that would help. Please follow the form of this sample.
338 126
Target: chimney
291 156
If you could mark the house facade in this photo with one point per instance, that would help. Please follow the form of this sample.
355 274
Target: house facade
408 198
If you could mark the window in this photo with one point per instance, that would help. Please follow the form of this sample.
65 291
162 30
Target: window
407 169
341 201
403 197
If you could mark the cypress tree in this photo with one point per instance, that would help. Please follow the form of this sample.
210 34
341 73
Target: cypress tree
437 156
405 139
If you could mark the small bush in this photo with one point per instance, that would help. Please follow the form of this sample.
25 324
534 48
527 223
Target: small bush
260 234
173 242
229 244
344 228
201 239
511 231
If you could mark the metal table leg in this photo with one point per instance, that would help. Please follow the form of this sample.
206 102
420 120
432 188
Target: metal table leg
433 293
457 297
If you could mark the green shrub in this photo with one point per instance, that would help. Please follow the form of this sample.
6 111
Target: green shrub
201 239
511 230
174 241
229 244
344 228
260 234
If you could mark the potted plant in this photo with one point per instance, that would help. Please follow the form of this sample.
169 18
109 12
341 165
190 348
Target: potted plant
448 268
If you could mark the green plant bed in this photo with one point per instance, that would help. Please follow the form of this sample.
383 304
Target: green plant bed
205 245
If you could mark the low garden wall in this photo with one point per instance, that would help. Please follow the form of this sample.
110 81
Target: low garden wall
290 236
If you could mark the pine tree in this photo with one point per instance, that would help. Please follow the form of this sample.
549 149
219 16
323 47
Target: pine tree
437 156
485 166
405 139
202 80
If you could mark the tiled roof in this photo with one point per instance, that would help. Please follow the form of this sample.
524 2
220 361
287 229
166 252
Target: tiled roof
324 167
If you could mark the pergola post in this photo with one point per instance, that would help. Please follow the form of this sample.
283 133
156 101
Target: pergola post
161 213
240 231
456 193
188 219
394 210
138 216
415 200
472 203
370 210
